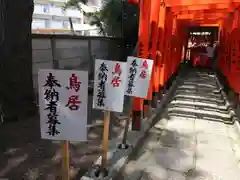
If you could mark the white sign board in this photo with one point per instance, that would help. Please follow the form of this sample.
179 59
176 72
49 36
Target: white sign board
109 82
63 98
139 73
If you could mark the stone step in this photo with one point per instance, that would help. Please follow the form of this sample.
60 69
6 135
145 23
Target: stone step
200 104
197 98
201 113
192 93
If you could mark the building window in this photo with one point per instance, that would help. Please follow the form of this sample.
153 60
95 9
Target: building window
47 23
46 8
87 33
38 23
66 24
74 21
78 20
63 12
56 24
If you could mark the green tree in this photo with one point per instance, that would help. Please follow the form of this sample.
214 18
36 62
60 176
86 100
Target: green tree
96 19
116 18
75 4
16 90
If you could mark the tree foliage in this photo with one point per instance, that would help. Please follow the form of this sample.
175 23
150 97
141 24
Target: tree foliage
96 19
116 18
74 3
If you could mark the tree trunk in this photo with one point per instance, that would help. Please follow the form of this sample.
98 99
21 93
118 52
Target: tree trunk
16 86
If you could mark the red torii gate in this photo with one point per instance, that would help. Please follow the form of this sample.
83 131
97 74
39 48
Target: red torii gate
169 21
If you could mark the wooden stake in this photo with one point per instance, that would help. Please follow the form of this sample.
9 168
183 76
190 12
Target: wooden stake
105 138
124 141
65 162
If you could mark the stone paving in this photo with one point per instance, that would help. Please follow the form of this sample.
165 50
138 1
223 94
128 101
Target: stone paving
191 141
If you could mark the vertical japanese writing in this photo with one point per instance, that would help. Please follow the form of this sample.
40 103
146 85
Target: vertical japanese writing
52 97
144 69
73 100
132 72
102 78
116 75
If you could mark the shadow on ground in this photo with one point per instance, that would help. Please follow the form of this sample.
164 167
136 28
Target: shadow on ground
169 153
24 155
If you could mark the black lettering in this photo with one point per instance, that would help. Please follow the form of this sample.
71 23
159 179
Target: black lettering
52 96
51 81
131 77
102 77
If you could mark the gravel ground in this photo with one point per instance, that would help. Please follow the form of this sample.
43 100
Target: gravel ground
25 156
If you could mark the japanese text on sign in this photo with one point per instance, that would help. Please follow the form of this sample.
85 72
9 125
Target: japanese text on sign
102 78
109 84
63 98
139 72
132 73
73 100
116 75
144 69
52 97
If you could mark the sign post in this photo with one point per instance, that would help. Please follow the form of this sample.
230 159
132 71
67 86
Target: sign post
65 164
108 95
139 71
105 138
63 98
124 144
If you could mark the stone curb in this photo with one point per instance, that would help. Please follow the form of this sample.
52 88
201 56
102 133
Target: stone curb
236 138
118 158
228 104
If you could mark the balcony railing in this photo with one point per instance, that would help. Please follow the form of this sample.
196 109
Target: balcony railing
56 11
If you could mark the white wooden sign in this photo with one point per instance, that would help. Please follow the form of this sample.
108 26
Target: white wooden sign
63 99
139 73
109 82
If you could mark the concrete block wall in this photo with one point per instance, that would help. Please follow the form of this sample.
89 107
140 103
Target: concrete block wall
72 52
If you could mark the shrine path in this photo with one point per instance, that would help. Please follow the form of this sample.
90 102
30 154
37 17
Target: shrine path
192 140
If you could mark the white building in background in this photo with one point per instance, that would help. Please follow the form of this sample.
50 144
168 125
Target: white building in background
49 17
